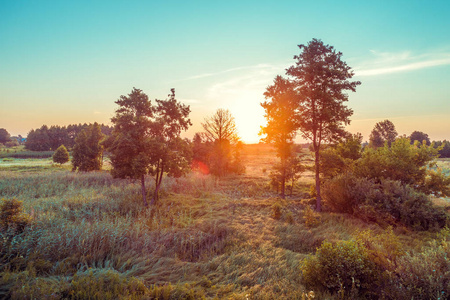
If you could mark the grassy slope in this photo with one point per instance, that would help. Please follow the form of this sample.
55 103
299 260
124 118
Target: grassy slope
209 239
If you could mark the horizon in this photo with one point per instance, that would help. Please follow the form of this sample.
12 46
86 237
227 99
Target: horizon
67 63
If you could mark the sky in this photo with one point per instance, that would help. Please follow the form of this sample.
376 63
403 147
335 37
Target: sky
66 62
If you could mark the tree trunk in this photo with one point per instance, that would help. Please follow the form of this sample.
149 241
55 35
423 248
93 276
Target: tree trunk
143 190
158 180
318 197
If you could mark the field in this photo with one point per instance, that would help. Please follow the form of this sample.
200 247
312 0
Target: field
90 237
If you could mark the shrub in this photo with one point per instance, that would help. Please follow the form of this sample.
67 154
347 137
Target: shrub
61 155
387 202
276 210
343 268
11 215
311 218
424 275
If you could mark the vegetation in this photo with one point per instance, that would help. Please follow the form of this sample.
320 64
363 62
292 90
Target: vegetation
146 139
88 152
319 80
383 132
87 235
4 136
61 155
383 232
218 148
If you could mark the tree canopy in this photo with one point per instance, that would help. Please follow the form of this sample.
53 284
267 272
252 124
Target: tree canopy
320 80
382 132
61 155
4 136
146 139
88 152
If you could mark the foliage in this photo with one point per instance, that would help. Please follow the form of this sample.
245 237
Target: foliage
310 217
386 202
4 136
280 111
343 267
444 148
61 155
220 141
11 216
383 132
420 137
320 80
339 158
146 139
46 139
406 163
88 152
424 275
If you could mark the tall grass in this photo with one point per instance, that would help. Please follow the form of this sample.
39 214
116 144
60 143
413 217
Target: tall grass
90 237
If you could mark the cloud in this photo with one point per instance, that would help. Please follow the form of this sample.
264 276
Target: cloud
387 63
236 69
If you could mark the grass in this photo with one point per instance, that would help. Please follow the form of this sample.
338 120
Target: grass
91 237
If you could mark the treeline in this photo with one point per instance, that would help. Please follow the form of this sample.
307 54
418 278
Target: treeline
50 138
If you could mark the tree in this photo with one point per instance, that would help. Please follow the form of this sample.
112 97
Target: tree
410 164
4 136
341 157
170 154
146 139
320 80
382 132
220 130
280 112
38 140
61 155
88 152
420 137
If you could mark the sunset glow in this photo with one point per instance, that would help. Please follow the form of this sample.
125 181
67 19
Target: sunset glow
65 63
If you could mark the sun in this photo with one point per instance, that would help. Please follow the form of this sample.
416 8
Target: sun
248 118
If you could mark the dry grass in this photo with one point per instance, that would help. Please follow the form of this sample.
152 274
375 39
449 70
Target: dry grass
206 238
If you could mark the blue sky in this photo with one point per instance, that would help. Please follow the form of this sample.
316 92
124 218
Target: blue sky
66 62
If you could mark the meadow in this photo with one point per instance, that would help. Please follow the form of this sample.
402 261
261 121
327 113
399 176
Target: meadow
88 236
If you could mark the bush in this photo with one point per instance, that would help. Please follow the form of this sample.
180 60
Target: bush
61 155
387 202
343 268
424 275
11 215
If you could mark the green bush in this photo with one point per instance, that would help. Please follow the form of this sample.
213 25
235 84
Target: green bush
387 202
11 215
343 268
424 275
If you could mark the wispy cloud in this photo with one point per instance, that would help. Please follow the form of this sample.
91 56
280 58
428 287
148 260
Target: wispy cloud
386 62
236 69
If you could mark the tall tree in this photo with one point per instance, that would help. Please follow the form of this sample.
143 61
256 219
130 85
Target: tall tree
320 80
146 139
220 130
382 132
282 124
4 136
170 153
130 141
88 151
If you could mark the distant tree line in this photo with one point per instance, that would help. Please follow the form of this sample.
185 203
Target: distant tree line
50 138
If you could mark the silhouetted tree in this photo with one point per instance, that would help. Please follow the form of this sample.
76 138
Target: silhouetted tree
382 132
4 136
321 79
88 152
282 124
220 130
61 155
419 136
